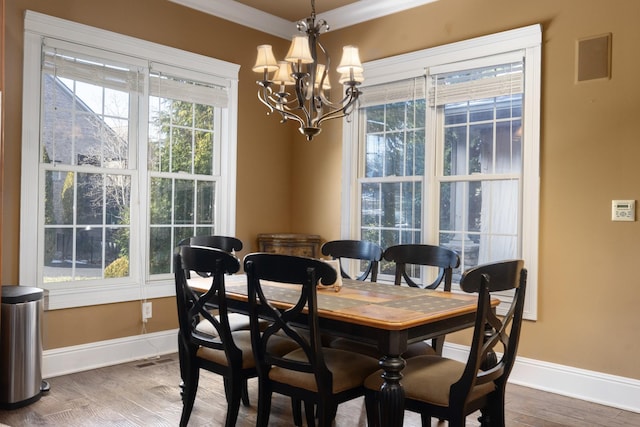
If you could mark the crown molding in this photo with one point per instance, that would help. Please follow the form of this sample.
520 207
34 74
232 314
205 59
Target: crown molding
342 17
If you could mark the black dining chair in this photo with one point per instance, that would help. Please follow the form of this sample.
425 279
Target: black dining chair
403 256
450 390
227 353
320 377
237 321
443 259
368 253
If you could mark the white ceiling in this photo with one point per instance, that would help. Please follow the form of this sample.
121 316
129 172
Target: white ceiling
277 17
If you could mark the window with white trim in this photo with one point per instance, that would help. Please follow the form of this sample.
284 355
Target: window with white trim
124 155
444 149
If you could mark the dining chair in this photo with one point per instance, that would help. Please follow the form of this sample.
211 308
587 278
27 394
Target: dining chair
228 353
367 252
320 377
450 390
237 321
443 259
403 256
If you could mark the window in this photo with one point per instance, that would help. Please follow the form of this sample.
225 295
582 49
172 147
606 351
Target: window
447 153
133 151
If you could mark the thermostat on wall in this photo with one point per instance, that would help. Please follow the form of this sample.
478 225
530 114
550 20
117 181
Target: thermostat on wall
623 210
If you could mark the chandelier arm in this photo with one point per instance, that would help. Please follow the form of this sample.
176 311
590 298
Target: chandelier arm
301 99
262 96
337 113
292 116
351 95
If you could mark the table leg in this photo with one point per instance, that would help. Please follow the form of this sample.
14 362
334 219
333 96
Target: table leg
391 392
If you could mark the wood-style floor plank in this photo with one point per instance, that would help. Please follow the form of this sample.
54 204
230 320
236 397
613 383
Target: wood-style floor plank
146 393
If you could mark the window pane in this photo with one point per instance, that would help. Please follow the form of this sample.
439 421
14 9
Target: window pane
182 113
184 201
455 151
374 155
206 200
117 250
90 200
394 154
375 119
160 201
160 250
118 197
481 148
181 143
395 118
204 153
415 153
89 253
59 196
509 147
204 116
58 254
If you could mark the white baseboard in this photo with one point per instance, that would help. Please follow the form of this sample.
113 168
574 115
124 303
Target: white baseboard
596 387
605 389
67 360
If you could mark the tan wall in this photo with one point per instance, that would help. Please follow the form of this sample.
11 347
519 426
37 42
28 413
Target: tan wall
587 316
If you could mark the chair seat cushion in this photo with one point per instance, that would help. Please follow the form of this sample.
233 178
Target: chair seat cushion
242 340
349 370
419 348
429 378
237 322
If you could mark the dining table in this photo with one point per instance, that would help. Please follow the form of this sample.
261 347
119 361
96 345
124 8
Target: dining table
382 314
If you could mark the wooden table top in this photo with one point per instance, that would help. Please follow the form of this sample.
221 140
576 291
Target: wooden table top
378 305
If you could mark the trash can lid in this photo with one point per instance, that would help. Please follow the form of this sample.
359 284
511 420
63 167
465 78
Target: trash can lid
20 294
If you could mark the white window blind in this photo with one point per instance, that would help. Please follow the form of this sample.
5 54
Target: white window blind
399 91
165 86
121 77
479 83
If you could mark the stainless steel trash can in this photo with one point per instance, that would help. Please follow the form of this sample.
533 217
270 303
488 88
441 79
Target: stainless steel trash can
21 346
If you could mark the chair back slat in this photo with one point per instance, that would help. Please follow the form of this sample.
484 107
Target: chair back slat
446 260
368 252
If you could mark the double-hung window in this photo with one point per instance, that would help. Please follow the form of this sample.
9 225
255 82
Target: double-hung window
128 147
444 150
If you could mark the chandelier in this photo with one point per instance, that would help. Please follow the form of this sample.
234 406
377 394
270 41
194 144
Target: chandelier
308 102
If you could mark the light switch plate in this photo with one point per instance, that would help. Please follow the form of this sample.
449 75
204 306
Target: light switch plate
623 210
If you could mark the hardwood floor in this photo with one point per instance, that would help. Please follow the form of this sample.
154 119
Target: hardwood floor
145 393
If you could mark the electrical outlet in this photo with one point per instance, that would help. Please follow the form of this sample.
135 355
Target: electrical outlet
146 311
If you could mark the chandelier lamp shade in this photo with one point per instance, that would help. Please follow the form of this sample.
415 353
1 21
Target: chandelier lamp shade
298 88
